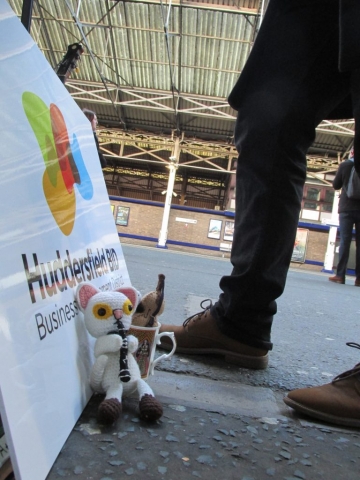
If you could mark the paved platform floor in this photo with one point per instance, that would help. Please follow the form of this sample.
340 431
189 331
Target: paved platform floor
209 430
221 421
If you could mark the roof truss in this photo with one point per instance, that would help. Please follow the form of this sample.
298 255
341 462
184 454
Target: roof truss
165 68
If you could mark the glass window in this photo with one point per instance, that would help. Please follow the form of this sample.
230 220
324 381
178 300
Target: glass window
318 198
311 205
313 194
327 208
329 196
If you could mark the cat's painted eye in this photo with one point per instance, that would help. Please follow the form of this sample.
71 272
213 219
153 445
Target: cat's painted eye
127 307
102 311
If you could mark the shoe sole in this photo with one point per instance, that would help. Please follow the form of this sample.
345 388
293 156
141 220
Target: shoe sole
245 361
326 417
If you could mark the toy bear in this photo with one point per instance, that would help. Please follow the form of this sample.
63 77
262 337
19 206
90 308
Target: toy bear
107 317
150 306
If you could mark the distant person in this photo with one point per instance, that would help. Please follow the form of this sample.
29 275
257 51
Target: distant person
349 215
304 67
93 120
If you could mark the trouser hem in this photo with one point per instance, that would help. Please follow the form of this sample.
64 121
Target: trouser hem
250 339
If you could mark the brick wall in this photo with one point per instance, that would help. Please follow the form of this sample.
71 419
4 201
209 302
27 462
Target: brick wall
316 247
145 221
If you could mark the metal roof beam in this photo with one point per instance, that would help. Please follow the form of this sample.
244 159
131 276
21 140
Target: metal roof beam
208 107
198 155
85 41
338 127
203 6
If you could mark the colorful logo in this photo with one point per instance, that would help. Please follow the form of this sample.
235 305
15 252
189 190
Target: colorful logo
64 165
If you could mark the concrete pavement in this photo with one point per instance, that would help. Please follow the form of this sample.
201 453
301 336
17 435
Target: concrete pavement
220 420
210 429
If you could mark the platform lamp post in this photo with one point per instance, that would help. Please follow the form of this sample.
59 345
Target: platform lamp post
172 166
333 224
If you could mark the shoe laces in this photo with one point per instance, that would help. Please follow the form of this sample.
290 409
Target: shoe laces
353 371
205 309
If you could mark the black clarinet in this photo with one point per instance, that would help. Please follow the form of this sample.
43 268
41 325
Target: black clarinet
124 373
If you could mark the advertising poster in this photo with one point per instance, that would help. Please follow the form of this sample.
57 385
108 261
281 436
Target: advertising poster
122 215
214 228
229 230
299 252
57 230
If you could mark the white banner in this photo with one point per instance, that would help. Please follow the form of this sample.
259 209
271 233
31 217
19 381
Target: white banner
56 230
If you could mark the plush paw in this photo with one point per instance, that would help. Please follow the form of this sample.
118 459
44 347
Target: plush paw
150 408
109 410
133 343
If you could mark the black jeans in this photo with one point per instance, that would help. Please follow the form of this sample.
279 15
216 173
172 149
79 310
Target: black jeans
289 84
347 221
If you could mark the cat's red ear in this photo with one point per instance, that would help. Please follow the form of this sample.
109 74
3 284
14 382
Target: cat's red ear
83 294
131 293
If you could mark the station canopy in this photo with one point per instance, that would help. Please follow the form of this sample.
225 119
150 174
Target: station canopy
158 73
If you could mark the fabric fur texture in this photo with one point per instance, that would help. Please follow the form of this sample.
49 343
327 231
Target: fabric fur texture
151 306
107 317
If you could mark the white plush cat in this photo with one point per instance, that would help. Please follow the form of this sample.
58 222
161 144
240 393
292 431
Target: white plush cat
107 317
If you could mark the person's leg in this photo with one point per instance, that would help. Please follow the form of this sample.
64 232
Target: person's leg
288 90
346 222
357 247
288 86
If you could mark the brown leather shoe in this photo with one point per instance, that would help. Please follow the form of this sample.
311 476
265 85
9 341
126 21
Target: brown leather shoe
337 402
337 279
357 282
199 335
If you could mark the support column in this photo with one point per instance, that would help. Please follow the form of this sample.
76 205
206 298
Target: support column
333 223
173 166
183 190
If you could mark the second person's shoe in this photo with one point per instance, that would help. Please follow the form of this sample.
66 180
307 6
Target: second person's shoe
337 402
337 279
199 335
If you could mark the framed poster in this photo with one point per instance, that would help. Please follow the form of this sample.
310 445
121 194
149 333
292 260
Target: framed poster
229 230
300 245
122 216
214 229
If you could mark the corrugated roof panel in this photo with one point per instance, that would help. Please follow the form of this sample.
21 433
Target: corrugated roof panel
126 47
211 59
129 46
